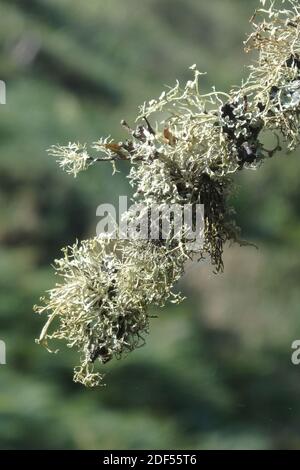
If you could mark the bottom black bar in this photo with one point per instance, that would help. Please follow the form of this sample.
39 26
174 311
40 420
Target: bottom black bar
134 459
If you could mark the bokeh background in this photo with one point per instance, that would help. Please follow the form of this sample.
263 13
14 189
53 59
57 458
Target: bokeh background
216 372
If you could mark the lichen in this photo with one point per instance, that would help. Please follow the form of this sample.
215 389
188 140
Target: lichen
101 305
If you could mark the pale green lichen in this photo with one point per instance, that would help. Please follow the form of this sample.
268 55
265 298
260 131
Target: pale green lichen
101 305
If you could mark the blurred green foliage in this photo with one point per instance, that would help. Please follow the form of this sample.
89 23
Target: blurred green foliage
216 371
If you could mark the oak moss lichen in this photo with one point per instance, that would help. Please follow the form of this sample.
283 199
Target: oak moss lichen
100 307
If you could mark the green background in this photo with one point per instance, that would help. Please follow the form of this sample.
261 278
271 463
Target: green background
216 372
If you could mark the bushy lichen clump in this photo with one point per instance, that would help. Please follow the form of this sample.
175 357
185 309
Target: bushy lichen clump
102 302
101 305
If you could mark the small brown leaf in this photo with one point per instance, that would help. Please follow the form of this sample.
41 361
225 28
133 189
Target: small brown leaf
169 137
113 147
116 148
